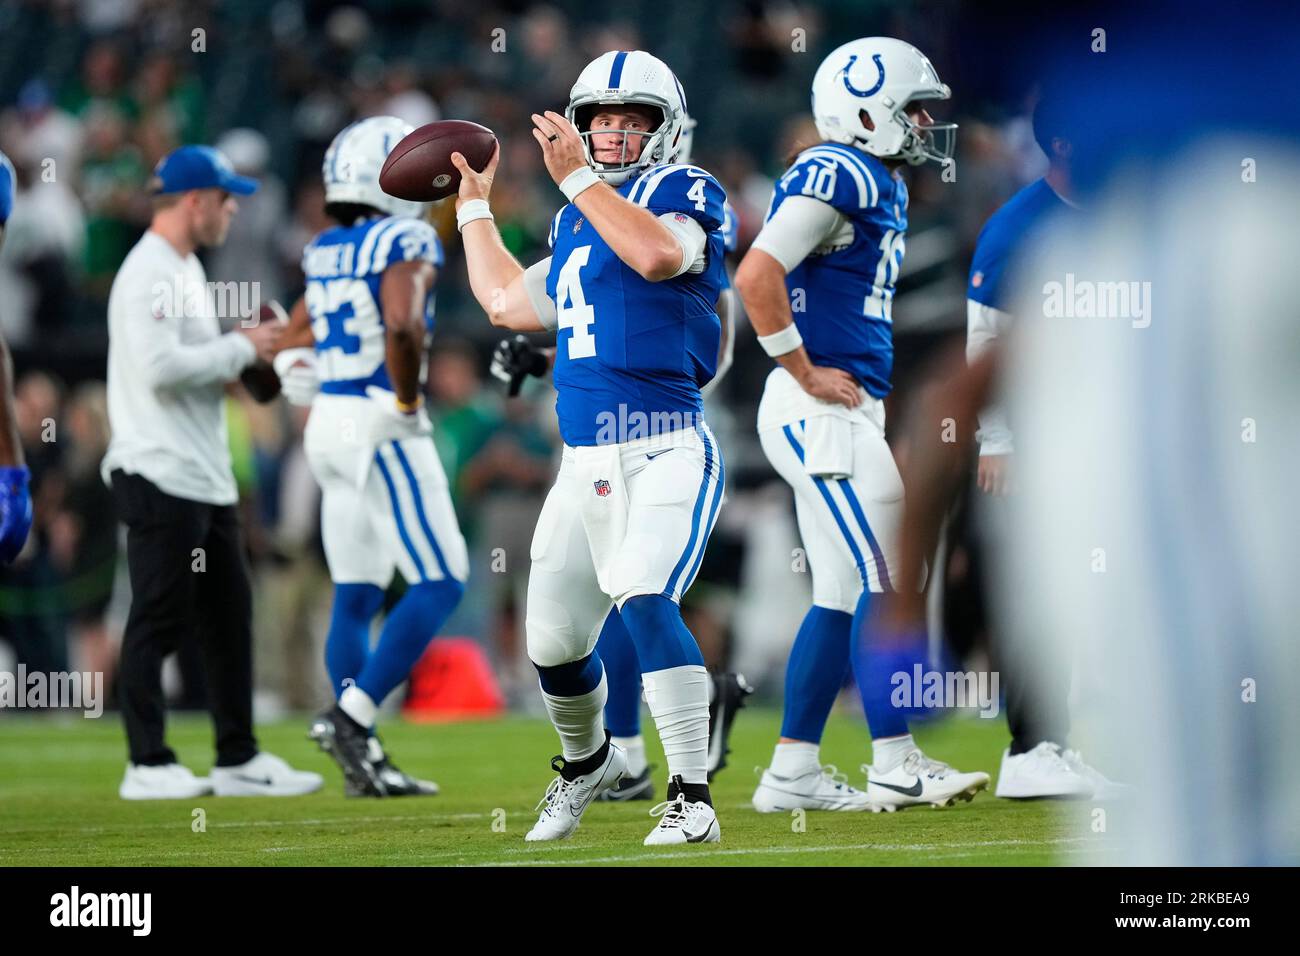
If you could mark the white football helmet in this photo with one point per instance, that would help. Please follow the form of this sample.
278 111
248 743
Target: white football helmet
686 146
620 77
880 75
354 159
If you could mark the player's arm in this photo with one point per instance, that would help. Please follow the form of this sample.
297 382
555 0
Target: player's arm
799 226
153 335
403 293
11 448
495 276
932 471
984 326
637 236
297 334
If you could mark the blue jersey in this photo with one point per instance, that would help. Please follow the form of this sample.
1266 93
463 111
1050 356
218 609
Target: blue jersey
627 349
730 228
1008 231
344 267
7 186
841 295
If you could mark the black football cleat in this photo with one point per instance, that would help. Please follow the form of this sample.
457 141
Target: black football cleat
348 743
640 787
396 782
729 693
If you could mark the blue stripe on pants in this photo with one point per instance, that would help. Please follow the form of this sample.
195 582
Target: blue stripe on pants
397 516
695 517
835 511
882 569
419 508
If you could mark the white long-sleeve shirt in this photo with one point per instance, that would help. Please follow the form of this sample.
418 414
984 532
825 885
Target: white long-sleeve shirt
984 326
167 367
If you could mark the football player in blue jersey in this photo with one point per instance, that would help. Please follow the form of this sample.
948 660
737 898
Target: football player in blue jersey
727 691
15 498
516 358
385 505
818 284
631 286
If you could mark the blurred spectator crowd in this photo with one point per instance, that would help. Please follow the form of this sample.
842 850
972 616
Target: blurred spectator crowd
93 93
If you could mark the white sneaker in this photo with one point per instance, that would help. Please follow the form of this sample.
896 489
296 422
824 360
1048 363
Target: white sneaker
563 804
1102 787
919 780
683 822
821 788
1040 773
266 775
171 781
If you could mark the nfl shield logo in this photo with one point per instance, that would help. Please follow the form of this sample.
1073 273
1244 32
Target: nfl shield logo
602 488
577 225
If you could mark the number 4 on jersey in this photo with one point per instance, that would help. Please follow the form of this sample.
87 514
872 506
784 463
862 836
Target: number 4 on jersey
572 310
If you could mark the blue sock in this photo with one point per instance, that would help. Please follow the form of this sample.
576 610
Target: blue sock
819 662
659 633
623 674
348 643
877 656
408 629
572 679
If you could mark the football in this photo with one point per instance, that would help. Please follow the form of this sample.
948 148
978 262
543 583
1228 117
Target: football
419 168
260 378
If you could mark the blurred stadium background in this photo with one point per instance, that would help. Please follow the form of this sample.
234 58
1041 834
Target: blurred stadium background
93 92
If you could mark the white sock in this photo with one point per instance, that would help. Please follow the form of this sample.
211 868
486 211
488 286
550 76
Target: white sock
356 703
679 702
795 759
635 747
580 721
888 752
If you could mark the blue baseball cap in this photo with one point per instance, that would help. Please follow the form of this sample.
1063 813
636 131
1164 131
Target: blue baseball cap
198 167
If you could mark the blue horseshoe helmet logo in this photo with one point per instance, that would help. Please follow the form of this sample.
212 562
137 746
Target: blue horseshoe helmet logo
880 81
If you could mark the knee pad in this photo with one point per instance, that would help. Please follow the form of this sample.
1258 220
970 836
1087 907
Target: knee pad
838 587
552 640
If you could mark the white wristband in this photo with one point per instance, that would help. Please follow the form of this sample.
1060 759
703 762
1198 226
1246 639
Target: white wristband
779 343
577 181
471 210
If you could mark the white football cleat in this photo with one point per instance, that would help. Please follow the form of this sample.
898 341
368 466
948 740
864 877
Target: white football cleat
170 781
1040 773
1102 787
266 775
821 788
565 801
919 780
683 822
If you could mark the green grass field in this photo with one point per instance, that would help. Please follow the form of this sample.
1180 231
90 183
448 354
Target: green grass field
59 806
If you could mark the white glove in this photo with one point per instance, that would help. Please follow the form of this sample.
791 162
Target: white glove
390 423
299 380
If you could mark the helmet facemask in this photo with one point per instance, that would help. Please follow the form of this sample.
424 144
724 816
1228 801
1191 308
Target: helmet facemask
937 141
654 149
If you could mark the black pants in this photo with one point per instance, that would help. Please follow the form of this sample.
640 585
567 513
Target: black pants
189 581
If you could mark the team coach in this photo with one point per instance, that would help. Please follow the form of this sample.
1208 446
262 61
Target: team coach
168 464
